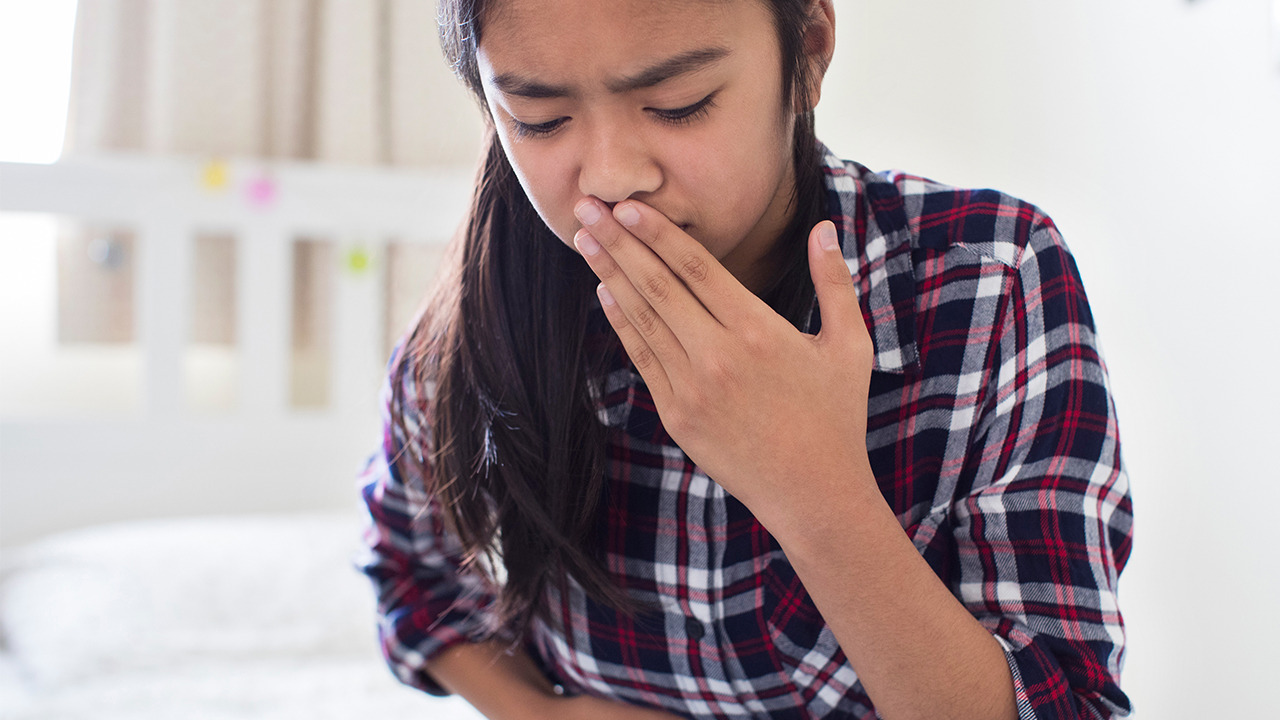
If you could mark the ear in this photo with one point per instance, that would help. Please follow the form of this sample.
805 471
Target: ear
819 45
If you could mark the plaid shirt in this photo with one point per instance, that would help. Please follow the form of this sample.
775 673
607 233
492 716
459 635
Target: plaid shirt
991 432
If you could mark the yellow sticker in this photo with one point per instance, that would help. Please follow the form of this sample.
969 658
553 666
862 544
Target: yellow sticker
358 260
216 175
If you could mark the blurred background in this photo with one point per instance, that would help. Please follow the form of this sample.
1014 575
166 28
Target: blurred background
217 216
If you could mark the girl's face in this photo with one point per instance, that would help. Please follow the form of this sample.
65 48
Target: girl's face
677 104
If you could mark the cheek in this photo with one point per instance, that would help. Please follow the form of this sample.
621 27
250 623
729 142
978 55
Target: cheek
745 179
548 184
748 155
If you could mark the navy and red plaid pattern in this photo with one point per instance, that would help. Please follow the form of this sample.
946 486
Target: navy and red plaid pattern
992 435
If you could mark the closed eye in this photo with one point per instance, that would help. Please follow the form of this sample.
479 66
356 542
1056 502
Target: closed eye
527 130
687 114
676 116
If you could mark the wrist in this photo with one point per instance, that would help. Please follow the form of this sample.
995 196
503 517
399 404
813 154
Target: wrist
829 506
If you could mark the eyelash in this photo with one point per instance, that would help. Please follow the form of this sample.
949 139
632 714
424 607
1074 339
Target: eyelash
689 113
679 116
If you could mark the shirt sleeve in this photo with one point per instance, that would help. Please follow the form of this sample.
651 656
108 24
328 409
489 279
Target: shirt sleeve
425 602
1046 528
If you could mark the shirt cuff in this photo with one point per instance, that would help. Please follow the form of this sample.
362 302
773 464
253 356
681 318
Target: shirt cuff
411 663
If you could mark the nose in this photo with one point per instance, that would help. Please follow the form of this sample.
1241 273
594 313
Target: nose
617 164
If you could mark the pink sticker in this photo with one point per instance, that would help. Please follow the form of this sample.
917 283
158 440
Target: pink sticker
261 191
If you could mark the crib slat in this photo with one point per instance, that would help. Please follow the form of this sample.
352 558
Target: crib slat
162 296
357 328
263 299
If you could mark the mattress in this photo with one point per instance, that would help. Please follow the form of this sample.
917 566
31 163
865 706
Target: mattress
255 618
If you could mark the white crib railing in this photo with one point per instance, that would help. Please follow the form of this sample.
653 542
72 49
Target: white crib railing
63 471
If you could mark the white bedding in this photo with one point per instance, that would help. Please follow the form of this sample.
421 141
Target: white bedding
260 618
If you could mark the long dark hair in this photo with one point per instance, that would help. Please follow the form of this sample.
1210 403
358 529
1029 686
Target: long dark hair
517 450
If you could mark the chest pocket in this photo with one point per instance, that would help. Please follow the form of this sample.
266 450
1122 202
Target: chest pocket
794 624
805 647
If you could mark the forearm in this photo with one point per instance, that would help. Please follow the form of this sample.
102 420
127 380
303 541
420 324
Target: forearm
506 686
918 652
501 685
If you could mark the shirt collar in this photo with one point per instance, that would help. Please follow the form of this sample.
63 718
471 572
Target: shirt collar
871 221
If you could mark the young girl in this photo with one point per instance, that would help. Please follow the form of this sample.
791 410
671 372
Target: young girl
706 422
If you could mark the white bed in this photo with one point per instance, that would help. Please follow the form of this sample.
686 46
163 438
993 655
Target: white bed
247 617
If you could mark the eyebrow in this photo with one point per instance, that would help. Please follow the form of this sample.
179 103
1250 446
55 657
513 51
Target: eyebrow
685 62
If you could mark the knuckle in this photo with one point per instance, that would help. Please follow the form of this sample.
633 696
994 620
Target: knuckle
693 268
606 271
656 287
694 397
720 370
618 321
677 422
606 236
661 235
862 344
754 339
643 358
646 321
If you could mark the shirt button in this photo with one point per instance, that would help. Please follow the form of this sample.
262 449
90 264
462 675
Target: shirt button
694 629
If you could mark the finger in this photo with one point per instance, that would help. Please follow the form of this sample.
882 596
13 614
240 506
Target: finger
649 273
834 286
642 356
634 308
715 287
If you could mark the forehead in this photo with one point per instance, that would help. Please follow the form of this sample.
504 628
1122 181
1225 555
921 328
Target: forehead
568 40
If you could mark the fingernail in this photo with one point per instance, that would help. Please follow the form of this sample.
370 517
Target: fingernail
827 236
588 212
606 297
586 244
626 214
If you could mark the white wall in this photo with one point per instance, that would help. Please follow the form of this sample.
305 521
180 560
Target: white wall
1150 131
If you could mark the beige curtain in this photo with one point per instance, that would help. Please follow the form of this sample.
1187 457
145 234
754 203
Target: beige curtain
337 81
345 81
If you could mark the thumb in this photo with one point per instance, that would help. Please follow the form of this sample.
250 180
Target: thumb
833 282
